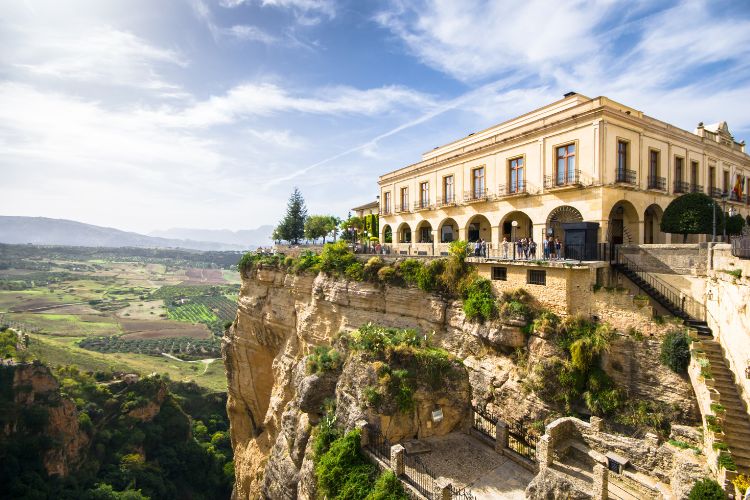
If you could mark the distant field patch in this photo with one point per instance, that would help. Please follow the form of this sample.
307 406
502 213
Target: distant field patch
182 347
191 312
66 325
196 276
163 328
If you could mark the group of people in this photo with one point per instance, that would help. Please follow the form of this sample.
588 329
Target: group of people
526 248
480 248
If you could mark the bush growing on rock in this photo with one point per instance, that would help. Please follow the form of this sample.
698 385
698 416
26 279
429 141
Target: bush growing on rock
388 275
479 300
355 272
372 268
675 351
336 258
323 359
707 489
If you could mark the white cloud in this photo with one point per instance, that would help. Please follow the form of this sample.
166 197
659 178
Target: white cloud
251 33
325 7
265 99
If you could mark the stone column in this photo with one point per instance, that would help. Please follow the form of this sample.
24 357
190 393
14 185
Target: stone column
501 436
599 491
545 451
397 459
595 424
364 436
444 489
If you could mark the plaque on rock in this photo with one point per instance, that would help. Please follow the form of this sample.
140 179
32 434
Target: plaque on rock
437 415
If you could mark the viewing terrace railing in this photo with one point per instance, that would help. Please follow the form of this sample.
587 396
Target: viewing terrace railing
741 247
514 435
625 176
678 301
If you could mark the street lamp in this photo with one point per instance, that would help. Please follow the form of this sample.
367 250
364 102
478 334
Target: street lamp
723 212
514 225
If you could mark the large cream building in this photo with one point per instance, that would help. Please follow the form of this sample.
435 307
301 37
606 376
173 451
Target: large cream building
577 159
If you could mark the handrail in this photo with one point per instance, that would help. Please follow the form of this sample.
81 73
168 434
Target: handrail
678 300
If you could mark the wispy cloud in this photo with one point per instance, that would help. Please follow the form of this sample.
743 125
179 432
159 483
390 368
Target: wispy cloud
323 7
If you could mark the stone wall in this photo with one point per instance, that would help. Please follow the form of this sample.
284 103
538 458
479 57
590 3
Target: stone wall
669 259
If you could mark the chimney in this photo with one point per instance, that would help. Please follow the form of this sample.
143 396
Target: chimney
569 94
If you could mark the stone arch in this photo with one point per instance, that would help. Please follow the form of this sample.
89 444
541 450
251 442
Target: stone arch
423 232
478 227
652 225
448 230
557 217
387 234
404 233
524 229
622 227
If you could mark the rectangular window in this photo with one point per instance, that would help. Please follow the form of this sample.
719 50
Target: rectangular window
622 159
725 183
404 198
678 168
711 180
387 202
536 277
694 173
424 194
566 164
517 184
477 182
500 273
653 164
448 189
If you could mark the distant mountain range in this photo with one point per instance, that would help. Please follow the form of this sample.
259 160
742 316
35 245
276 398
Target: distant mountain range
45 231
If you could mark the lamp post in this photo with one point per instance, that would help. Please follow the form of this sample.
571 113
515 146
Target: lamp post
514 225
723 212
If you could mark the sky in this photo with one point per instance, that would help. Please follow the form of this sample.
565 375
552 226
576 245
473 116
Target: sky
146 115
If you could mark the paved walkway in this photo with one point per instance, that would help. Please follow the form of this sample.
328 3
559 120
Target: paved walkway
467 461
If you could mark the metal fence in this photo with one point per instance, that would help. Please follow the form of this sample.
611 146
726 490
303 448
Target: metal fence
522 441
378 444
485 422
421 477
461 494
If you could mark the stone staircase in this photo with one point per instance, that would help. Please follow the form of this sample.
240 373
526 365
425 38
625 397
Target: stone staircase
736 424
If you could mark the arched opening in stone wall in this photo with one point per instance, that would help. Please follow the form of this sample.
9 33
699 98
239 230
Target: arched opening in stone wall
557 217
479 227
623 224
524 228
387 234
424 232
652 225
448 231
404 233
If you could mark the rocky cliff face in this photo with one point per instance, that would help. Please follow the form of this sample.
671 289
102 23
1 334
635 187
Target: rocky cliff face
34 388
273 404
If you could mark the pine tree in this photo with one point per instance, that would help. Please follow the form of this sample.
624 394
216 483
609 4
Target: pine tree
292 226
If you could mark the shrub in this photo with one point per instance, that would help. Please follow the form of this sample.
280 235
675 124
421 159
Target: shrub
737 273
387 274
479 300
742 483
307 261
546 322
706 489
336 258
646 416
388 487
675 351
410 269
355 272
342 471
726 461
323 359
372 268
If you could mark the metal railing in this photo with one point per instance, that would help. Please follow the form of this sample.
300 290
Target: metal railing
678 300
462 493
476 195
681 187
655 182
421 477
522 441
401 208
445 201
511 189
625 176
715 192
485 422
378 444
733 196
571 178
696 188
422 205
741 247
384 211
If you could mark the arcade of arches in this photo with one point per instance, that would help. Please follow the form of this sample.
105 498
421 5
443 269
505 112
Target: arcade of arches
624 223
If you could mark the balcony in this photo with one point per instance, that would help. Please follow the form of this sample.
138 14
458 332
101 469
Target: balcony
572 179
401 208
735 197
447 201
422 205
696 188
715 192
658 183
384 211
681 187
476 195
625 177
519 189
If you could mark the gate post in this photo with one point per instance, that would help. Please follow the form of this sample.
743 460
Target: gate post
397 459
600 482
501 436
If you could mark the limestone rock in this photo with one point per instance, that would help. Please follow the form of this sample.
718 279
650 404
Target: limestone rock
314 390
548 485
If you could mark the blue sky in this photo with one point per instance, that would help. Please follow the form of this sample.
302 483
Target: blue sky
146 115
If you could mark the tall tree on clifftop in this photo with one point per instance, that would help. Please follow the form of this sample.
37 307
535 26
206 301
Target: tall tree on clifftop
292 226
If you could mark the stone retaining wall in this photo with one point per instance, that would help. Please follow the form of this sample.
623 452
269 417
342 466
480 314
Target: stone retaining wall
688 259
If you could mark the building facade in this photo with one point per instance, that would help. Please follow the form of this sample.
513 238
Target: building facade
577 159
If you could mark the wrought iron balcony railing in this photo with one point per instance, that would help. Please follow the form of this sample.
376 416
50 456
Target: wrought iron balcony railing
512 189
734 197
681 187
384 211
570 178
659 183
401 208
445 201
625 176
422 205
696 188
715 192
476 195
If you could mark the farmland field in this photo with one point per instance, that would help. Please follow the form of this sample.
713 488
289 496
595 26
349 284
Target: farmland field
128 309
